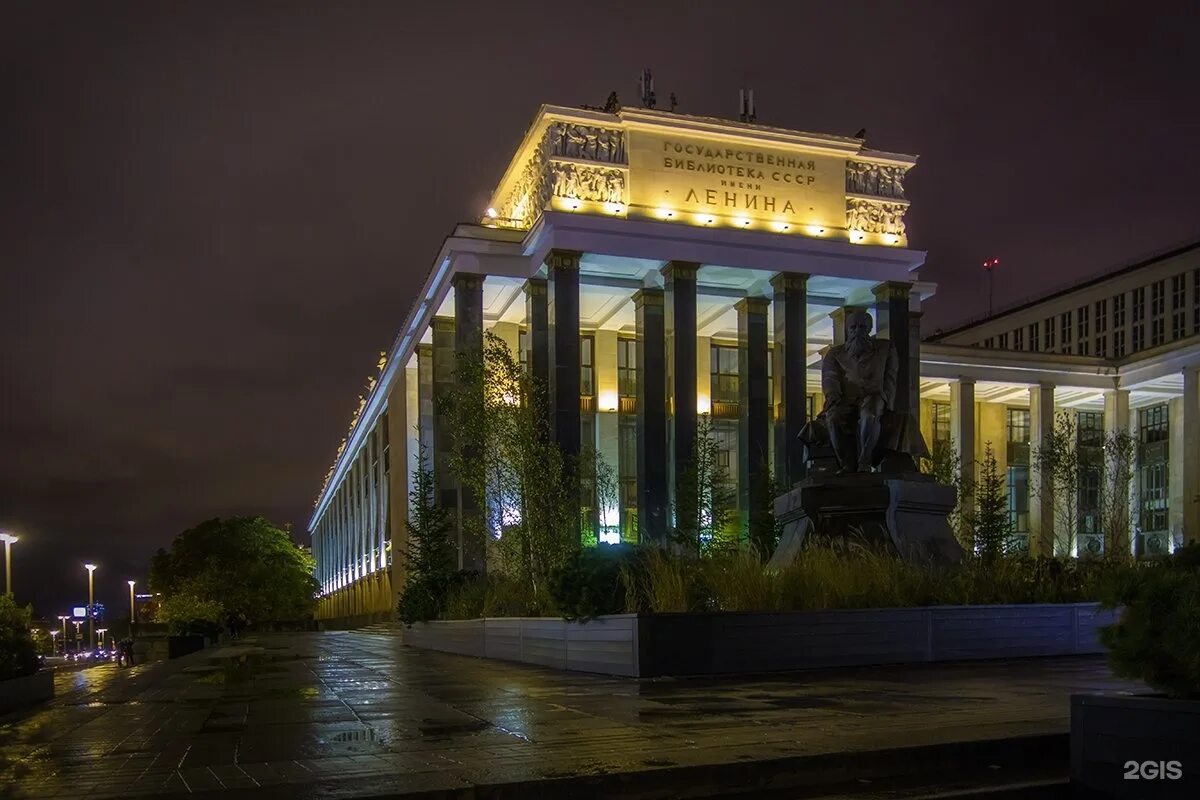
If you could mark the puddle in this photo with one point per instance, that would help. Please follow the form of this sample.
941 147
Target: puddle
364 735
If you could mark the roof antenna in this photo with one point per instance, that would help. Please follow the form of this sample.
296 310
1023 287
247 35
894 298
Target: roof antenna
646 87
746 111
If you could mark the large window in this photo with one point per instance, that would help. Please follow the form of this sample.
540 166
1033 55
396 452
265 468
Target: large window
1003 341
523 350
1018 476
1153 481
1139 318
1033 336
587 366
1102 328
1118 344
627 367
1019 339
941 423
723 368
1048 333
1064 331
1179 306
1089 428
1082 342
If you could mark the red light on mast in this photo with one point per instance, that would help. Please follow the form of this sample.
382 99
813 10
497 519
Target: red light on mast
990 263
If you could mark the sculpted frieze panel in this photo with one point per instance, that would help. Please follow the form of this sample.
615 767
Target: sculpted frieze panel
875 217
587 183
590 142
875 179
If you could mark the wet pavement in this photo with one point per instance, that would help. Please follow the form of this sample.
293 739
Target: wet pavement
355 714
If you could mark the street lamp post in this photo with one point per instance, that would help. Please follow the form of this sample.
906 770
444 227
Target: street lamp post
9 540
91 611
54 642
102 631
77 623
132 608
63 619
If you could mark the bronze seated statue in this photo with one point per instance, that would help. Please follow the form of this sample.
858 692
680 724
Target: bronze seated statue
859 428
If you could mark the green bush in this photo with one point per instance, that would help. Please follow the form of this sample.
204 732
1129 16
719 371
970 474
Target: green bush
18 656
589 583
1157 638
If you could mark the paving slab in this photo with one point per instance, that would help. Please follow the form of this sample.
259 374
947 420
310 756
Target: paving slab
345 714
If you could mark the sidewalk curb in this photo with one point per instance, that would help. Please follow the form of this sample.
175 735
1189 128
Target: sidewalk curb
801 774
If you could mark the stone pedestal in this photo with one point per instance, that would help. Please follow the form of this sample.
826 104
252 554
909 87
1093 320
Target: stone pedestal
904 513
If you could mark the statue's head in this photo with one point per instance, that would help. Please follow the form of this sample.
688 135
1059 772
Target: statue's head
858 326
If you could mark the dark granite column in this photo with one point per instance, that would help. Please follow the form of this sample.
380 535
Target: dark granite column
914 362
424 419
680 323
891 322
562 306
791 374
442 361
538 342
754 493
468 342
652 504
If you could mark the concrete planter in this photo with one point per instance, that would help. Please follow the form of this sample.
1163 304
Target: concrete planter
17 692
1124 745
716 643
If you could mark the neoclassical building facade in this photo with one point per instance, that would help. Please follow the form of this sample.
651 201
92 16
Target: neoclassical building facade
650 268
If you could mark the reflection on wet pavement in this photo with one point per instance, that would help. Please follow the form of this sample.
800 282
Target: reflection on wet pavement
323 714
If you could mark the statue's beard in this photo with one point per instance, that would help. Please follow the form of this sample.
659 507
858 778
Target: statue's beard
858 345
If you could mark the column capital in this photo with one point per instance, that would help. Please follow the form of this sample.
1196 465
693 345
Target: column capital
647 296
892 290
442 323
789 281
466 280
752 305
682 270
563 259
535 287
963 381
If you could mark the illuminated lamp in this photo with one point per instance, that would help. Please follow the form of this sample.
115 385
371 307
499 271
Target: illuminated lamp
491 212
703 404
607 401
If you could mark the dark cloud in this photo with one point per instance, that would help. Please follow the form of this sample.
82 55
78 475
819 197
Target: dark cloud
216 214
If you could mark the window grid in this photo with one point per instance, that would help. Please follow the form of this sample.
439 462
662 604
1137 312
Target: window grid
587 366
627 371
1048 335
1064 331
941 422
1033 336
1019 339
723 370
1018 425
1004 341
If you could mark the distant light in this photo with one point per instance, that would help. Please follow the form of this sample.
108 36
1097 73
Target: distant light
90 567
614 208
743 221
782 226
891 238
607 401
857 236
703 404
814 230
574 204
491 212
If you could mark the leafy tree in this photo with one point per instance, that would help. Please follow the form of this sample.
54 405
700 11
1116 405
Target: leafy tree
706 500
527 491
429 555
239 566
1066 465
991 524
945 466
18 655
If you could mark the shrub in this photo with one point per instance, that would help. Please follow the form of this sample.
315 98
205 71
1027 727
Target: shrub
18 656
1157 638
589 583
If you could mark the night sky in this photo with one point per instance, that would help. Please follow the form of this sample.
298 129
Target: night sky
216 215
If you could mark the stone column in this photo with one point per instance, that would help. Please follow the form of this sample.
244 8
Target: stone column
1118 533
442 369
753 422
891 322
396 476
680 298
537 338
1190 497
914 358
1041 490
468 342
962 436
652 456
424 414
790 388
563 332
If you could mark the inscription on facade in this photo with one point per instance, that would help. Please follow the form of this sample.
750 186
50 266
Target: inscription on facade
765 183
